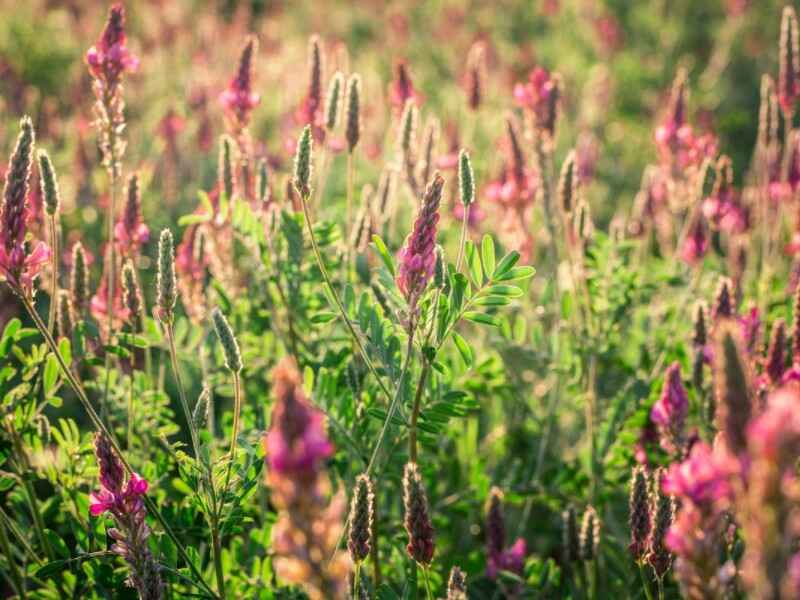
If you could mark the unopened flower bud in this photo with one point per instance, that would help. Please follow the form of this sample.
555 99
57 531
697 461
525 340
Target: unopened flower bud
230 347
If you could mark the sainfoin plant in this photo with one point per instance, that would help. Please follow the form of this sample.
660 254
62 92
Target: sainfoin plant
431 301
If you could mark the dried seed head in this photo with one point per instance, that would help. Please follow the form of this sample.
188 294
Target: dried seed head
167 291
52 196
302 163
700 337
225 171
568 184
723 301
466 179
775 362
417 520
639 514
570 538
361 516
789 62
230 347
15 192
457 585
662 511
66 317
79 280
590 534
263 181
333 101
732 389
353 124
132 295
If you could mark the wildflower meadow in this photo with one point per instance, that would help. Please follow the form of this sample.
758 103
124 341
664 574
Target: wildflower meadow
400 300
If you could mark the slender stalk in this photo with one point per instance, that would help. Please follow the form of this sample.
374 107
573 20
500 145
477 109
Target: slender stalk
412 430
237 409
187 413
356 580
51 317
349 216
101 428
112 173
130 414
463 241
338 302
16 579
373 550
646 585
427 583
217 547
590 410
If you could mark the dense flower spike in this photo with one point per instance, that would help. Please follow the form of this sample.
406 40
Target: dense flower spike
123 499
568 184
79 281
770 507
407 140
238 100
65 315
353 108
333 101
417 520
302 163
466 179
457 585
305 537
796 327
402 89
225 170
130 231
109 59
132 296
311 110
639 514
571 544
590 534
540 94
165 283
775 361
230 347
361 519
662 509
498 557
789 76
429 141
734 403
18 266
49 183
669 412
417 259
723 301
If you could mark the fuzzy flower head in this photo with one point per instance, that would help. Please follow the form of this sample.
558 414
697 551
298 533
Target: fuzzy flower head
109 59
540 95
297 443
238 99
669 412
420 545
417 259
130 231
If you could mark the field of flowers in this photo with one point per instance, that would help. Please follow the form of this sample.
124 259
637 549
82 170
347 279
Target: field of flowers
399 300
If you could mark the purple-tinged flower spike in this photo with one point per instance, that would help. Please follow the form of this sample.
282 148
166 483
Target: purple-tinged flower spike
123 499
110 59
723 301
417 258
700 345
238 100
639 515
420 545
130 231
333 101
669 412
353 112
297 443
768 509
361 519
734 404
476 70
311 110
775 361
457 585
789 62
796 328
662 513
695 245
499 558
18 266
568 184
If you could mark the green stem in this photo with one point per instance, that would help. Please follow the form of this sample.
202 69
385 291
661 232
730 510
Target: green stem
51 317
237 408
16 579
110 286
356 580
427 583
339 304
645 585
217 547
412 430
660 582
463 241
173 354
102 429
